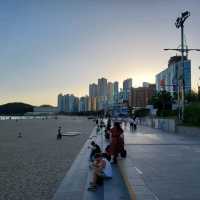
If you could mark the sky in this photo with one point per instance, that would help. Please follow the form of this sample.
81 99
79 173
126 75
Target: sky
49 47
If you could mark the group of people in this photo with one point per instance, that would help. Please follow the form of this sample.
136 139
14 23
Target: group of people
101 162
133 124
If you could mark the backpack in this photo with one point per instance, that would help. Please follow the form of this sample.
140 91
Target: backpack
123 153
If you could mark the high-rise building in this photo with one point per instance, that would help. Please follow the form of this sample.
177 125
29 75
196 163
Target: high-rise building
121 96
92 104
69 102
66 103
110 91
168 79
140 96
76 104
116 91
102 93
102 87
127 85
86 103
60 103
93 90
160 80
145 84
82 104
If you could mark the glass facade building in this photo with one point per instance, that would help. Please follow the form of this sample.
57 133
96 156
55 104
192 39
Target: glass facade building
168 79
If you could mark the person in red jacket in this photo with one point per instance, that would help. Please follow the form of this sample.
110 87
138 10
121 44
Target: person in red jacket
117 141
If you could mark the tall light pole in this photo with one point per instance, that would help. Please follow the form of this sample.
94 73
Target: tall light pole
180 23
181 85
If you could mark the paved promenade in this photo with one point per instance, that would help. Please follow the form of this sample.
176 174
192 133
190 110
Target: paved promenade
161 166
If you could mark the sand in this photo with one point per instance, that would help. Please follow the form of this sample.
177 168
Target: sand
32 167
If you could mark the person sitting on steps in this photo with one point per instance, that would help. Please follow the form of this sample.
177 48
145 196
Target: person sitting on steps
101 169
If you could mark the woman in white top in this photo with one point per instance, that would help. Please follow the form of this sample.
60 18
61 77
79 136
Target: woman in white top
107 170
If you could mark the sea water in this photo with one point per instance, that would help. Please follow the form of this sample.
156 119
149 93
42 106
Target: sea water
22 117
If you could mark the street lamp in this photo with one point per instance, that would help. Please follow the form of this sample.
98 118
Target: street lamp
180 23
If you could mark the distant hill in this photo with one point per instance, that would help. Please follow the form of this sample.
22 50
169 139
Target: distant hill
46 106
15 108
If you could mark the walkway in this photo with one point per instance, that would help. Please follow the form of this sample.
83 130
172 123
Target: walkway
161 166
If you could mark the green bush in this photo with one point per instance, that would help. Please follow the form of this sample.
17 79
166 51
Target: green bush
192 114
142 112
166 113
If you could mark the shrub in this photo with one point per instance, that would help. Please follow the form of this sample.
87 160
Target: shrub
142 112
166 113
192 114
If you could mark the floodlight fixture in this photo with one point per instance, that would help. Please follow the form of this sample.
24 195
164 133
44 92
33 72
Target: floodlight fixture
180 20
185 14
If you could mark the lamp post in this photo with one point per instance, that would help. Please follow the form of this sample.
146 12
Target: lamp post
181 88
180 23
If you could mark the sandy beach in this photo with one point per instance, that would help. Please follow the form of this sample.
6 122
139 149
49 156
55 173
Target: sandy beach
32 167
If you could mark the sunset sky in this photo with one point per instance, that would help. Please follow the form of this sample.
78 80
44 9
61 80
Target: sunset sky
49 47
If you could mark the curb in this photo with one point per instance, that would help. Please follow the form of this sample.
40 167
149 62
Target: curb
126 181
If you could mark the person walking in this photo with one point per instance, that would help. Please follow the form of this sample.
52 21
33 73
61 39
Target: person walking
109 124
135 124
131 122
59 135
117 141
97 122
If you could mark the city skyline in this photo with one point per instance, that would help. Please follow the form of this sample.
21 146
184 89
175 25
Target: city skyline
50 47
107 95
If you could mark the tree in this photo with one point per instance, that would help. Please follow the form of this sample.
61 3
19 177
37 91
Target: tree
192 114
141 112
192 97
162 100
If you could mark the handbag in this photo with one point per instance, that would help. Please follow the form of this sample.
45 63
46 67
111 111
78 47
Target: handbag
123 153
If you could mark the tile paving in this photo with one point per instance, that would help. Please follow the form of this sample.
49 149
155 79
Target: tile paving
162 166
